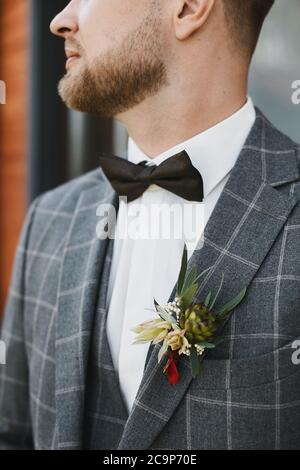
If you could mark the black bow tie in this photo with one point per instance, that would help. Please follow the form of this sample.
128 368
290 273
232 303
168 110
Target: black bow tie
176 174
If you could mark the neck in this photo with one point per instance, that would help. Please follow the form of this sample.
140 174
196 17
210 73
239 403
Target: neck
183 109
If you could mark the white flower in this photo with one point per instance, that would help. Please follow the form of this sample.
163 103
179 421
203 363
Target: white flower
200 349
154 330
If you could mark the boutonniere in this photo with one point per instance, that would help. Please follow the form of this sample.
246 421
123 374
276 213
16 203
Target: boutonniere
186 326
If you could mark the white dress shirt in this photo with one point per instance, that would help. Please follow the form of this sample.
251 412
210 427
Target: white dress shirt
146 267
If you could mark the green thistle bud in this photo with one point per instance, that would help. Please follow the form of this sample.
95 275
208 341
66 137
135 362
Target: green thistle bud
199 323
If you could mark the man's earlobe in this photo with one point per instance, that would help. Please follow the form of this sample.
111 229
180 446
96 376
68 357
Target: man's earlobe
190 16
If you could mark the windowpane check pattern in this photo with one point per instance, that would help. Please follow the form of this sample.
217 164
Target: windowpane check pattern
59 388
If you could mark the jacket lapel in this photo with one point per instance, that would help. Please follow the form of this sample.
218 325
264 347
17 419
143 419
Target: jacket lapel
82 265
246 220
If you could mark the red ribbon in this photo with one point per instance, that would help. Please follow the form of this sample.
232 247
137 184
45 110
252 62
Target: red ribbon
171 368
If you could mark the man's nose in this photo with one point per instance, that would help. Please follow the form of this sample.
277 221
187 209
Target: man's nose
65 22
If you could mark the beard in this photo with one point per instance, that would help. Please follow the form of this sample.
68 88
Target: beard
120 79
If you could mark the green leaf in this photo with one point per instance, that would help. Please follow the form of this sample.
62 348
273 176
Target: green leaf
162 350
164 315
182 273
232 304
218 340
202 274
190 280
207 300
207 345
194 361
216 296
188 296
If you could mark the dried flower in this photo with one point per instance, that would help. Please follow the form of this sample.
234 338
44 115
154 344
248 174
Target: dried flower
177 341
154 330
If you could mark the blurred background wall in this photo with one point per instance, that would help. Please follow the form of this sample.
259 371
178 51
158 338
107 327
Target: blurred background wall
42 144
276 66
14 70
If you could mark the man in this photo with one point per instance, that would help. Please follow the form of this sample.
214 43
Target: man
175 73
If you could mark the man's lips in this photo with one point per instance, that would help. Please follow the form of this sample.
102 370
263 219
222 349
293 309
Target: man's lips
72 56
71 53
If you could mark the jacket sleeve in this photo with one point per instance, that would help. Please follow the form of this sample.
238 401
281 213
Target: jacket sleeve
15 422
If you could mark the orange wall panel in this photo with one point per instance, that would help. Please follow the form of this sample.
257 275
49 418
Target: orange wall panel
14 59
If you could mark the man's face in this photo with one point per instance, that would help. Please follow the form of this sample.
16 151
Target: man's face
116 51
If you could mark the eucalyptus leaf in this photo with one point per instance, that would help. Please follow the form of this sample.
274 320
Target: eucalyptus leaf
202 273
207 300
207 345
162 350
194 361
218 340
216 296
190 279
232 304
165 315
188 296
182 273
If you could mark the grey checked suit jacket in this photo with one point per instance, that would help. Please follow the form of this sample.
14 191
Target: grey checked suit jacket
248 393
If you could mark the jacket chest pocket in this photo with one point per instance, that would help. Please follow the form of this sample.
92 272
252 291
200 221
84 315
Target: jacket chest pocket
246 404
226 374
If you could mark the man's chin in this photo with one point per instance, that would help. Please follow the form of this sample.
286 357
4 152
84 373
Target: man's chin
76 96
71 90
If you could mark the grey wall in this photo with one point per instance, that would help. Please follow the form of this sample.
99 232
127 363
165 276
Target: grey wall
276 66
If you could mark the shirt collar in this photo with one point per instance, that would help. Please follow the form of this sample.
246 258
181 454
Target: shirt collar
214 151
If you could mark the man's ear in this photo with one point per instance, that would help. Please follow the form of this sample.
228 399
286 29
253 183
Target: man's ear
190 15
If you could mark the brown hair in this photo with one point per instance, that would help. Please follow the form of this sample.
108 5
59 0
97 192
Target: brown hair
245 19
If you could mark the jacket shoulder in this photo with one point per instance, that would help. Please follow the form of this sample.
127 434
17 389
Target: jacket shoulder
64 198
50 215
274 138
